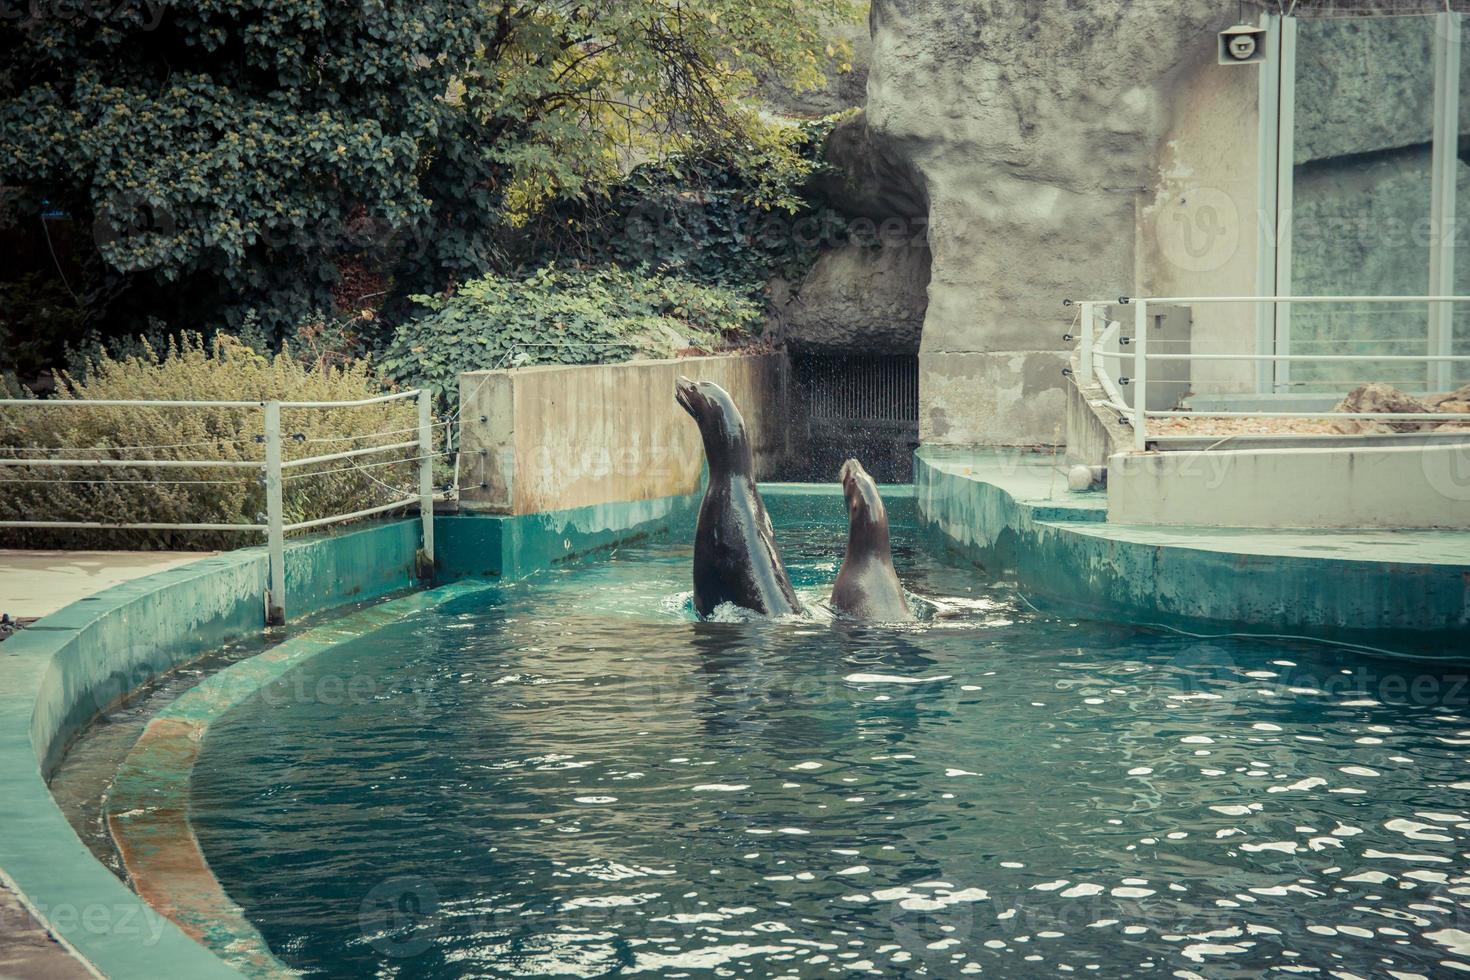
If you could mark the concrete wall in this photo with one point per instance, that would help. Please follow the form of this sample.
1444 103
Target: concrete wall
559 438
1367 487
1093 432
1200 226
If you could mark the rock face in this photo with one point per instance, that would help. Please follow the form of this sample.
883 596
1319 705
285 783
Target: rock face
872 177
860 300
869 292
1364 84
1032 127
845 89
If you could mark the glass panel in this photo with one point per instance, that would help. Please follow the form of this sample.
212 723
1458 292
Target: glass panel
1361 191
1460 373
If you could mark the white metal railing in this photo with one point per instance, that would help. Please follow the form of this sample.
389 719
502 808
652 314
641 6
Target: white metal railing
1092 358
274 470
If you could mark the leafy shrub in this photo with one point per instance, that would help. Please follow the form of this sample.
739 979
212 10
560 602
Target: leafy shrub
560 316
222 369
707 216
37 316
235 155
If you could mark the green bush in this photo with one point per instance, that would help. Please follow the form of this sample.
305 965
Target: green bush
702 216
221 369
558 316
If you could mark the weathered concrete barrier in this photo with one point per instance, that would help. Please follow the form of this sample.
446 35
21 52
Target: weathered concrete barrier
554 438
1352 487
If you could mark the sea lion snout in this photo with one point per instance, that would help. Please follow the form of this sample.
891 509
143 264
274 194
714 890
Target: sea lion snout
686 393
861 492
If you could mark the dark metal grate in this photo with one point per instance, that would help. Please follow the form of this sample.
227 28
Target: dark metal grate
863 388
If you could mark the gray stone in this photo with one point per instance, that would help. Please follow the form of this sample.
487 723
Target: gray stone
1376 397
1011 399
844 89
872 178
1362 225
866 300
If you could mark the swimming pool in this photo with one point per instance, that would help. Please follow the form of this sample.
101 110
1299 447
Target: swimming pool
567 775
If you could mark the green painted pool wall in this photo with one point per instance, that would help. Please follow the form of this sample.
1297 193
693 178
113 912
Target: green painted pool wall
72 665
1059 555
100 648
495 546
824 503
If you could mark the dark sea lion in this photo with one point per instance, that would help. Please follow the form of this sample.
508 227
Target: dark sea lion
735 557
867 587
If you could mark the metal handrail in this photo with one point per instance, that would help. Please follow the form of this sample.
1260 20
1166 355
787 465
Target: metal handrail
348 454
272 469
117 403
1092 360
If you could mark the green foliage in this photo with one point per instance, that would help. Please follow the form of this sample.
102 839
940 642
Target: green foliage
192 369
232 155
700 216
559 316
37 315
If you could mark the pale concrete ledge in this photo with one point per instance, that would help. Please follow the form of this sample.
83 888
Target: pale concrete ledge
38 583
1391 487
28 951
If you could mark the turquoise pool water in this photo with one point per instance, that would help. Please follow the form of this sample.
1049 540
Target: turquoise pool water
567 776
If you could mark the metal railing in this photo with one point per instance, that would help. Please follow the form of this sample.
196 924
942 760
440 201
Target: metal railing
274 470
1093 356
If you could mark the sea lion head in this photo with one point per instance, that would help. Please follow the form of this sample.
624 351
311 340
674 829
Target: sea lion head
864 505
720 423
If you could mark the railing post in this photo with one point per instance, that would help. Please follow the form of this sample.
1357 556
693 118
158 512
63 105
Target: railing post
1443 168
1140 375
275 606
1084 361
426 475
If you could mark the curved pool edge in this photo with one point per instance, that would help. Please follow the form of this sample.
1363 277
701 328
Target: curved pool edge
148 811
70 666
67 668
1395 592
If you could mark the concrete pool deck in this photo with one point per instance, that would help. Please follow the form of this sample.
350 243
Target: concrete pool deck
38 583
27 949
1406 591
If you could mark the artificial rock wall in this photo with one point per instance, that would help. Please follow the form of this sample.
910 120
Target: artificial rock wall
1034 129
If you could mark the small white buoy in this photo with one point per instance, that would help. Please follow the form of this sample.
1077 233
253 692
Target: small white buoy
1084 478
